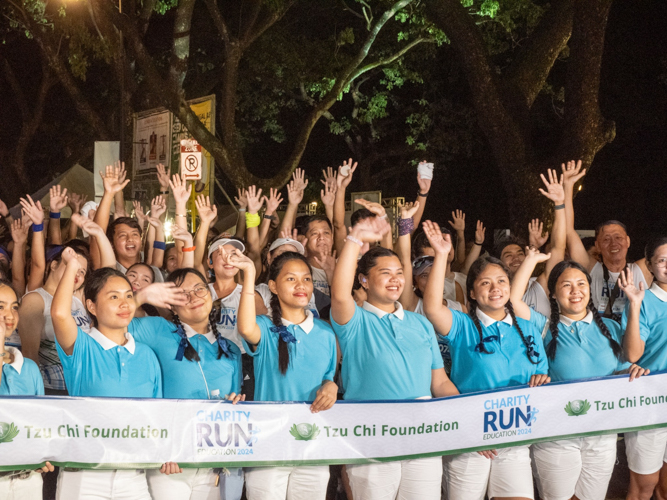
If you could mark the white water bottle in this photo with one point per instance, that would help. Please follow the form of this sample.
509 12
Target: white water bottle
215 394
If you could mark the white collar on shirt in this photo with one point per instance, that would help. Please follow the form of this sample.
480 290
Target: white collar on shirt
189 331
107 343
568 321
658 292
17 364
306 325
487 320
399 312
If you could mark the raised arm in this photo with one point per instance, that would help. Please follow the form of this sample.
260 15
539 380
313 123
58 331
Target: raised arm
328 194
458 224
521 279
633 345
75 202
408 298
37 253
435 309
246 316
571 174
343 179
107 256
555 192
255 202
381 213
424 188
242 202
155 241
31 313
184 236
295 190
207 214
64 325
181 191
57 201
272 203
112 185
118 198
342 302
473 255
4 211
19 231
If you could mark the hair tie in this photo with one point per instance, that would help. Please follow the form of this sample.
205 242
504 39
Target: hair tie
530 347
284 333
480 347
224 345
183 345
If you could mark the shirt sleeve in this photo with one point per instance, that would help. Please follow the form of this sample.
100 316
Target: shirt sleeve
72 363
237 374
157 390
333 358
458 324
37 378
349 329
264 324
436 357
538 320
542 363
147 330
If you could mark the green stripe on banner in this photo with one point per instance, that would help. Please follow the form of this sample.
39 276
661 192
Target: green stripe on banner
111 433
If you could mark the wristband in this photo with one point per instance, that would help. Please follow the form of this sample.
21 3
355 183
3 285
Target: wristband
241 209
189 249
252 220
405 226
159 245
36 228
354 240
478 244
181 215
269 217
423 195
559 207
54 215
164 192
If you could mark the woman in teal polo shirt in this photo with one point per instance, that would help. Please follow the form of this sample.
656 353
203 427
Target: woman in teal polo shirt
197 363
107 362
388 353
491 348
294 360
580 344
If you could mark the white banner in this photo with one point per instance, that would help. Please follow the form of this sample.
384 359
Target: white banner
131 433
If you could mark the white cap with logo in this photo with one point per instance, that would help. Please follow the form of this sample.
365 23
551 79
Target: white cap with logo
287 241
225 241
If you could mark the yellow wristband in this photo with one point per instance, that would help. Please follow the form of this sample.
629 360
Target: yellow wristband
252 220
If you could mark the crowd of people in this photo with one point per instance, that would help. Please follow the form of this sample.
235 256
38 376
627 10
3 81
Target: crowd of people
311 308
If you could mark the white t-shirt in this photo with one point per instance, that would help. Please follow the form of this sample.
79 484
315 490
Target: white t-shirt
537 298
452 304
320 281
227 315
601 290
450 287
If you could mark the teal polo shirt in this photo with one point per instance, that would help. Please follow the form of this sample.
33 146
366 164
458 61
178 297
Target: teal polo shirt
652 328
22 377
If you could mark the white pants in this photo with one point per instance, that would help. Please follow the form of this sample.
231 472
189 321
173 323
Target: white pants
191 484
646 450
580 467
13 488
102 484
291 483
470 476
418 479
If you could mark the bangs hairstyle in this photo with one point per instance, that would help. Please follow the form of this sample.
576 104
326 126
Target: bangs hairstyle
317 218
178 277
370 259
137 264
504 243
652 247
128 221
276 311
96 281
559 269
611 222
475 270
56 255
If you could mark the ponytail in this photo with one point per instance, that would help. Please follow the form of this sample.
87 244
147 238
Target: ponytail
553 327
277 319
529 341
190 352
618 351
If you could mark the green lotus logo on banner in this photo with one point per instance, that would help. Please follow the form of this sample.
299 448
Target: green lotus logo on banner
577 407
8 432
304 432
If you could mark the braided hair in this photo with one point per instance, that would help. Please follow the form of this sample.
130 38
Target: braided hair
276 309
178 277
556 272
475 270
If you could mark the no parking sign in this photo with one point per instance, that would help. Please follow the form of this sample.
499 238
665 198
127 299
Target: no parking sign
191 159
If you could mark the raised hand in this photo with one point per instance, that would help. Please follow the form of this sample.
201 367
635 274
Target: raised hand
158 206
536 237
572 173
180 188
424 184
88 225
139 213
328 194
241 200
329 179
409 209
291 234
441 244
273 201
534 255
111 178
20 231
300 181
33 210
480 233
370 230
235 257
294 195
375 208
554 185
626 280
326 262
76 201
57 198
163 295
4 211
458 221
345 172
162 177
70 259
183 235
207 212
255 200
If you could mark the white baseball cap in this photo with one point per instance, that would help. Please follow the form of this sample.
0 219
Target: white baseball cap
225 241
287 241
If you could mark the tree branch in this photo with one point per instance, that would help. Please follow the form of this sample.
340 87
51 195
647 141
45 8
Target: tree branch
388 60
218 21
21 101
180 49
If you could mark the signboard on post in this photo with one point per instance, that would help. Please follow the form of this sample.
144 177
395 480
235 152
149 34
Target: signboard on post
190 159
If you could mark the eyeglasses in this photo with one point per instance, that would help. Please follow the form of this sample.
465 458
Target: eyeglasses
199 291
